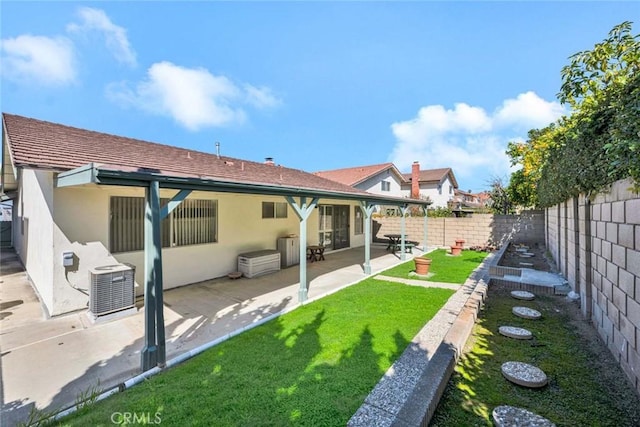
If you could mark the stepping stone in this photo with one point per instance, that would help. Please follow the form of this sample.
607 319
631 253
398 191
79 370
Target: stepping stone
524 295
528 253
510 416
522 249
514 332
526 313
526 264
524 374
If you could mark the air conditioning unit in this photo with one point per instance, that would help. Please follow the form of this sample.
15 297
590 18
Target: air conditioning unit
112 288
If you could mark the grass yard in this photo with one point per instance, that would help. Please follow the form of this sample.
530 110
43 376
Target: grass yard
586 386
445 268
313 366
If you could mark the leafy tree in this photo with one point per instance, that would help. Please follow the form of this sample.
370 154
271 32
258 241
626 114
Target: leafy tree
600 141
500 202
602 87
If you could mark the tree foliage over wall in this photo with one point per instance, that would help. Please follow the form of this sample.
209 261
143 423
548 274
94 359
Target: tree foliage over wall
599 142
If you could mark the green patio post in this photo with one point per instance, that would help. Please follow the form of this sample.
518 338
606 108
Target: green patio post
424 211
303 211
403 220
367 208
154 351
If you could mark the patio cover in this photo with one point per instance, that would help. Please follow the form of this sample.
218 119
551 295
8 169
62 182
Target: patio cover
302 199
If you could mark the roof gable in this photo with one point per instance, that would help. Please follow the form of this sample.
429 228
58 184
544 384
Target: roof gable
355 175
434 176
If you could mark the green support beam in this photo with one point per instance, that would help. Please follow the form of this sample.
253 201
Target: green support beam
154 351
403 253
424 211
303 210
367 208
174 203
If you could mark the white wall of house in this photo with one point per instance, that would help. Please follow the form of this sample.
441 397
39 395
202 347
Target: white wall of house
440 194
33 231
77 219
374 184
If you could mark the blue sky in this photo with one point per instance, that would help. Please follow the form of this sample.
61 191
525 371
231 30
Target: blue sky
316 86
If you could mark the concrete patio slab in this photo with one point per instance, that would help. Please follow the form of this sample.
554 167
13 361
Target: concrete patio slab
46 363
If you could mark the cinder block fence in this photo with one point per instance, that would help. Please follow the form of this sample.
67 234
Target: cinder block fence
477 229
596 244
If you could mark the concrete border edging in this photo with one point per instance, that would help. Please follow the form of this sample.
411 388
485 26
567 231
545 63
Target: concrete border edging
409 392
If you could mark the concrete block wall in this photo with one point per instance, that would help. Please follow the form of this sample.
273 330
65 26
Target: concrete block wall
478 229
598 249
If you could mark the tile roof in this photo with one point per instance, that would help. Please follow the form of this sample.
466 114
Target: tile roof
355 175
39 144
433 175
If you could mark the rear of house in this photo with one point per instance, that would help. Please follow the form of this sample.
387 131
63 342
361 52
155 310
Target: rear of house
63 233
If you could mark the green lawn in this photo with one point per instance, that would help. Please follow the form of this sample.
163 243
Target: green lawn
583 388
313 366
445 268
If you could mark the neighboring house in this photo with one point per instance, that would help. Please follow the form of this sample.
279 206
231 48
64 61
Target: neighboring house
97 199
438 185
467 199
383 179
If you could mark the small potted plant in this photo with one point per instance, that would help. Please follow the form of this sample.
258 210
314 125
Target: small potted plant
456 250
422 265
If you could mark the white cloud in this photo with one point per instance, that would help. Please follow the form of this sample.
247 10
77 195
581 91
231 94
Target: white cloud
115 36
261 97
194 97
467 138
45 60
528 110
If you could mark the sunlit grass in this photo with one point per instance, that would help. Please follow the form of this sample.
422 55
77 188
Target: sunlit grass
313 366
444 268
576 394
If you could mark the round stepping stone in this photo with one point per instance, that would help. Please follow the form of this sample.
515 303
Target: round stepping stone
514 332
526 313
525 255
524 374
524 295
526 264
510 416
528 253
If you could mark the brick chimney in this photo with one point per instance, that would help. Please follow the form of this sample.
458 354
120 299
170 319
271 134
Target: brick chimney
415 180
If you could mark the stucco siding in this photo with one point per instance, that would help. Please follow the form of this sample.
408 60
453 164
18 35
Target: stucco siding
82 226
373 184
431 190
33 231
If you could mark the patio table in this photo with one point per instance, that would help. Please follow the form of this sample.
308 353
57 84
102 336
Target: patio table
395 242
315 253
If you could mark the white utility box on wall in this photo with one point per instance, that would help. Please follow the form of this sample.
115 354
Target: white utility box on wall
252 264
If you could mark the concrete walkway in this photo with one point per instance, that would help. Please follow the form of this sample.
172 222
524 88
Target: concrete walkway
47 363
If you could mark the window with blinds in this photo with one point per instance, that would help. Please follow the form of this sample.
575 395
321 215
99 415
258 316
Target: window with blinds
193 222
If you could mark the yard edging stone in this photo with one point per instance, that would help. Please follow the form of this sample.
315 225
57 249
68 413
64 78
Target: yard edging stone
409 392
